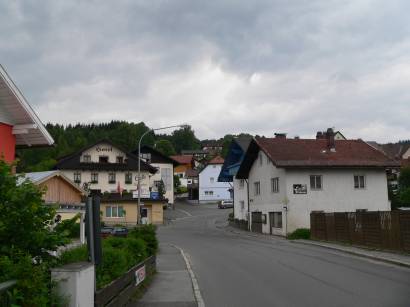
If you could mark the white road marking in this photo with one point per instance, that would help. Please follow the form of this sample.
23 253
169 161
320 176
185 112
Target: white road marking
186 212
195 285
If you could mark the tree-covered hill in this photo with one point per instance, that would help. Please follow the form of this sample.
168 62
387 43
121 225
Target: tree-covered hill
71 138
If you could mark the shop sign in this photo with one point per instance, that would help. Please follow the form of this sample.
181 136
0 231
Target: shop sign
299 189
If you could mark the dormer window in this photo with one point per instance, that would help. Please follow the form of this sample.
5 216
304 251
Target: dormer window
103 159
87 158
120 159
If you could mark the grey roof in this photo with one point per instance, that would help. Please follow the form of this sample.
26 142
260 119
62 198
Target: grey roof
38 176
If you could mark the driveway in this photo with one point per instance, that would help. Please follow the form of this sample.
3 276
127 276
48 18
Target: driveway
239 269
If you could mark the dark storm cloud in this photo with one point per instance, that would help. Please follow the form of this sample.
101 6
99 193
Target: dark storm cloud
255 66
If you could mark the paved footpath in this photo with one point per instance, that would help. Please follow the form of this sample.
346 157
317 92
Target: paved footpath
172 285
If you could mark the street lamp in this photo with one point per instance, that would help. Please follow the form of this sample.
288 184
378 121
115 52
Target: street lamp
139 163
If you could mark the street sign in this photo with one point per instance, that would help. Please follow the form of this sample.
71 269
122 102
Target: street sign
140 275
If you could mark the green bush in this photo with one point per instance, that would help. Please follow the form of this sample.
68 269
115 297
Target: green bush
77 254
69 228
148 234
300 233
181 190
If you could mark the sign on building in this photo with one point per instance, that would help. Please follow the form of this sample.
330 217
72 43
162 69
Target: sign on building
299 189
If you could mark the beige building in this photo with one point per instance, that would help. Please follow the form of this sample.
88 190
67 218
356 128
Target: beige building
123 210
104 167
59 191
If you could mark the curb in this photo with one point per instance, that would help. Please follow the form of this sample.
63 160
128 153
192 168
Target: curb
195 286
359 254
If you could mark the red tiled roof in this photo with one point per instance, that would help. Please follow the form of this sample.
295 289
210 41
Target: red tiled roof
191 173
183 159
313 152
217 160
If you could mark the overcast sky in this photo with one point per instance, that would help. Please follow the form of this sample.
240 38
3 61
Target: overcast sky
222 66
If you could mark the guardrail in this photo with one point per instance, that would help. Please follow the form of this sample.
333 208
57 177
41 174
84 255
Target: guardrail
5 297
119 292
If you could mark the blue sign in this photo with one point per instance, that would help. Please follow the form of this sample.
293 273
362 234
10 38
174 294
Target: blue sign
154 195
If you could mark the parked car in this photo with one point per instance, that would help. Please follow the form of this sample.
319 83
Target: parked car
120 232
225 204
106 232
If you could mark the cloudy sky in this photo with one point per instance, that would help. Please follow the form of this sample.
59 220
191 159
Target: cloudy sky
222 66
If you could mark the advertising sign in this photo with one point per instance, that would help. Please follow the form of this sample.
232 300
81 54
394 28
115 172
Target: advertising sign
299 189
154 195
144 193
140 275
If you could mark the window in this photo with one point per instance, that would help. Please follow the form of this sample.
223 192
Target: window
206 193
157 183
260 159
276 221
120 159
111 177
241 184
274 182
87 158
359 181
114 211
315 182
257 187
128 178
211 192
146 156
103 159
212 179
77 177
94 177
242 204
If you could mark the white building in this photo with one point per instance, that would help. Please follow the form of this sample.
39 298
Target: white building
210 190
165 166
233 160
106 168
290 178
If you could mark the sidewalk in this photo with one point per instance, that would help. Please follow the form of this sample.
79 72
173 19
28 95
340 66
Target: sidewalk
172 285
393 258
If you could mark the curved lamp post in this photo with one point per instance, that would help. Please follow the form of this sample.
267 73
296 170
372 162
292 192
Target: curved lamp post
139 163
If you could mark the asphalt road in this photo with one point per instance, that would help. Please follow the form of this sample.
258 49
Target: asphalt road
238 269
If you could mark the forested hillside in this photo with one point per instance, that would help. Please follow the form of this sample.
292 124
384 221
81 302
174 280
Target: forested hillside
71 138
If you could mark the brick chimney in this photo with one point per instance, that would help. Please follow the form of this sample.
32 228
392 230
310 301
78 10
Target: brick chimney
320 135
280 135
330 137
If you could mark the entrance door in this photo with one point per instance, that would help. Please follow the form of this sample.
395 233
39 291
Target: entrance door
275 222
256 222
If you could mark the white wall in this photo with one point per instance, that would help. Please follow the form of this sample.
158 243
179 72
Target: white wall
240 194
406 155
157 176
220 189
337 195
103 149
267 201
103 184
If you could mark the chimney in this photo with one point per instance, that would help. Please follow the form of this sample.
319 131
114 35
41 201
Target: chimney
280 135
319 135
330 137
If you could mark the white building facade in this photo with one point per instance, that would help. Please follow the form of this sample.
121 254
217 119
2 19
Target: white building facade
210 190
282 195
106 168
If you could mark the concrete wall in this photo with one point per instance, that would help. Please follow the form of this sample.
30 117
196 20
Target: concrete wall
220 189
337 194
240 194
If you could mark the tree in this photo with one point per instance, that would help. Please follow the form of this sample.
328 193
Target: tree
185 138
404 186
165 147
24 219
161 189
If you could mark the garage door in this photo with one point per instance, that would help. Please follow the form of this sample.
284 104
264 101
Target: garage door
257 222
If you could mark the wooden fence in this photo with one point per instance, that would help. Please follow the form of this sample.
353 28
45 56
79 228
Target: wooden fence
377 229
119 292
